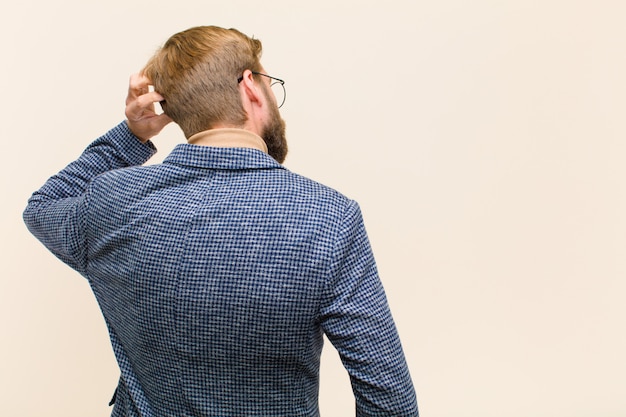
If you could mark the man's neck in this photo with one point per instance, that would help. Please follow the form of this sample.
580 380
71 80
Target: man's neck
228 137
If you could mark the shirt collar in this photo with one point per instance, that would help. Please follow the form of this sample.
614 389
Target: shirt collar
228 138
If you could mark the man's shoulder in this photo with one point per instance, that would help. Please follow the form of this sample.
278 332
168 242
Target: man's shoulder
125 174
315 189
129 182
304 195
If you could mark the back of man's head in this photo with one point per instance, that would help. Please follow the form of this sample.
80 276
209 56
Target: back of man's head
196 71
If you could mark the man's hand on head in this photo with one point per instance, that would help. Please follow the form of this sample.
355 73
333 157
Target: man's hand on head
142 119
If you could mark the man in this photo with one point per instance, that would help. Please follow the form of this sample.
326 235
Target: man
218 271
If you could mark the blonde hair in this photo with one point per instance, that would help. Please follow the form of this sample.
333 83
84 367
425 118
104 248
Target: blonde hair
196 71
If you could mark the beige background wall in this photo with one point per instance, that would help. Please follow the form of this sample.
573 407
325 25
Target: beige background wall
483 139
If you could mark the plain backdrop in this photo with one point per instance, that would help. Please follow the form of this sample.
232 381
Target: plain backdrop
484 141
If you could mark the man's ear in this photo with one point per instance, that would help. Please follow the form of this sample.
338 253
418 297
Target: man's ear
251 88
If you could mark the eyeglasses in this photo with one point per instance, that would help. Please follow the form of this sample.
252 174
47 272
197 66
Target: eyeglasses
277 86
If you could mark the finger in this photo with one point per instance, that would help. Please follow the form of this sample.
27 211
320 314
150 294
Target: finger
146 100
147 128
138 106
162 120
155 123
139 82
138 85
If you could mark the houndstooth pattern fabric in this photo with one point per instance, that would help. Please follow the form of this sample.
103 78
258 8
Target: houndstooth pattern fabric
218 272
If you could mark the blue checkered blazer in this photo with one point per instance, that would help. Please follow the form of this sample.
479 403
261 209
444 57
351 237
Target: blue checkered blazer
218 272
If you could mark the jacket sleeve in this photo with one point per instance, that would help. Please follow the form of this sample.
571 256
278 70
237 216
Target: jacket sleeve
355 317
55 213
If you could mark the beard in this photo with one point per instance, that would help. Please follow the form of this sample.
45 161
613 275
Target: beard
274 134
